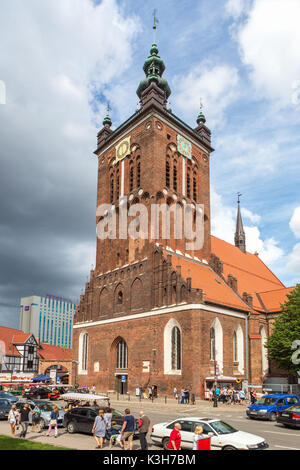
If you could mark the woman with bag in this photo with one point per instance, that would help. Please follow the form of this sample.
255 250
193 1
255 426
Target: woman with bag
99 429
53 420
36 418
13 417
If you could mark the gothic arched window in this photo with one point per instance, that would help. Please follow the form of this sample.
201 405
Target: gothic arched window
131 177
112 187
188 184
83 352
235 350
167 174
176 348
194 187
212 337
122 355
138 174
175 177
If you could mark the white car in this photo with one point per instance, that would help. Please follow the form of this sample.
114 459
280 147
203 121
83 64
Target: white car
223 436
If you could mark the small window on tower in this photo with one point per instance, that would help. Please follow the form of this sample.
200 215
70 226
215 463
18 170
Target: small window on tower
194 188
175 178
120 297
111 188
138 174
188 186
131 178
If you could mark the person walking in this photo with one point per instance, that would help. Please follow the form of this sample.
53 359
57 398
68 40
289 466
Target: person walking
175 438
187 396
143 427
99 429
127 429
36 418
108 417
93 390
197 436
53 421
182 392
175 393
24 419
13 418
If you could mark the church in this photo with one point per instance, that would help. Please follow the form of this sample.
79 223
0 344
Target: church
154 313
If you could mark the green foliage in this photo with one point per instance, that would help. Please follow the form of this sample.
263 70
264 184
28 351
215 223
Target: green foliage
285 332
9 443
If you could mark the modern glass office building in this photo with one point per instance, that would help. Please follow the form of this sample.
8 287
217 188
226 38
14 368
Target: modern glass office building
49 318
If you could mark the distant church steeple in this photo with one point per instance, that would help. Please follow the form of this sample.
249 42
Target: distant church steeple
240 237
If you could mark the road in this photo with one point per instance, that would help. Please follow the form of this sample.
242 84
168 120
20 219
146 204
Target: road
277 436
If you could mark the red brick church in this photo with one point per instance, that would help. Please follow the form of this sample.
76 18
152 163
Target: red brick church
154 313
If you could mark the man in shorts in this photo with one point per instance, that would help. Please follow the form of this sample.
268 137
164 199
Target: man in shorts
127 430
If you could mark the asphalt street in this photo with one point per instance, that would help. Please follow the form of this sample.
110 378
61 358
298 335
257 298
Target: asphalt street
277 436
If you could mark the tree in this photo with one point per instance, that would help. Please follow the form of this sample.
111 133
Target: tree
284 343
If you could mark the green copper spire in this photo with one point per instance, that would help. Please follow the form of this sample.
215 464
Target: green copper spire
154 68
107 121
201 117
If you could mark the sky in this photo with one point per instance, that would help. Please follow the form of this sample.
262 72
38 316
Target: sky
62 61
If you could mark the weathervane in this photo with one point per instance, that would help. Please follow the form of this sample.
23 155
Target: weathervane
239 195
108 108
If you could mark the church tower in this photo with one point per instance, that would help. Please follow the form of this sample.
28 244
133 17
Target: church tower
152 158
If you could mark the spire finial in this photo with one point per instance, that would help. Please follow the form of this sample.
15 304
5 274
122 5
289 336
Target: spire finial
107 120
240 237
201 117
155 21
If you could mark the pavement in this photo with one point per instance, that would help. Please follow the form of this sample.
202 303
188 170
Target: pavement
278 437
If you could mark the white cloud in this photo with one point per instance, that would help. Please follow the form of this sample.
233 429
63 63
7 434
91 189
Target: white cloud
217 85
295 222
224 223
269 45
293 264
236 8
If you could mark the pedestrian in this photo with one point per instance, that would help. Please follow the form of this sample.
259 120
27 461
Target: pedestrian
13 418
242 396
175 393
143 427
197 436
187 396
116 437
24 419
93 390
149 393
99 429
175 438
36 418
236 398
210 394
53 421
182 392
127 430
252 397
108 418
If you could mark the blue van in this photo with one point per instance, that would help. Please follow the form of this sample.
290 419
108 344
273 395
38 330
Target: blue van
268 405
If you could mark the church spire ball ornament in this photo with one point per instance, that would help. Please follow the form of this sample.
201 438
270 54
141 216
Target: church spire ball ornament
201 117
107 120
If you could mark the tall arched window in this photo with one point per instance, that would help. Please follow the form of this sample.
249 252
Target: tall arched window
118 185
176 348
188 184
122 355
175 177
83 353
167 174
112 187
138 174
131 177
264 354
194 187
235 351
216 344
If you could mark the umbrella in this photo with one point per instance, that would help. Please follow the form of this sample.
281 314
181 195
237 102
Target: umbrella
40 378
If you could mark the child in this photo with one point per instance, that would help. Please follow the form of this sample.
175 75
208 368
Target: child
116 437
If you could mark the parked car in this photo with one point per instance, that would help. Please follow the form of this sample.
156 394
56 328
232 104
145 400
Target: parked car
5 407
268 406
37 392
81 419
290 417
54 394
46 408
8 396
223 436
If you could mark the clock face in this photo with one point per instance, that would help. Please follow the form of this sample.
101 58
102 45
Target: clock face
123 149
184 147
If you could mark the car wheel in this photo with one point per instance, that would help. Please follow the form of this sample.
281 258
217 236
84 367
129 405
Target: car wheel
229 448
71 428
165 443
272 417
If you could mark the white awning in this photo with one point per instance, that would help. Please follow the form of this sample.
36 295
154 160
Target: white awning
83 396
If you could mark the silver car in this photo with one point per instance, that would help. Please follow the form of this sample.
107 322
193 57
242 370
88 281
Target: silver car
46 408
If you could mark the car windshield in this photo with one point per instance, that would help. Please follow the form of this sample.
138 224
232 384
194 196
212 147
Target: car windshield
46 407
267 401
222 428
117 413
294 408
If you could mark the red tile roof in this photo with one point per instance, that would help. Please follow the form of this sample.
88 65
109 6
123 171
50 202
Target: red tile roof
215 290
7 335
251 273
49 352
272 300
